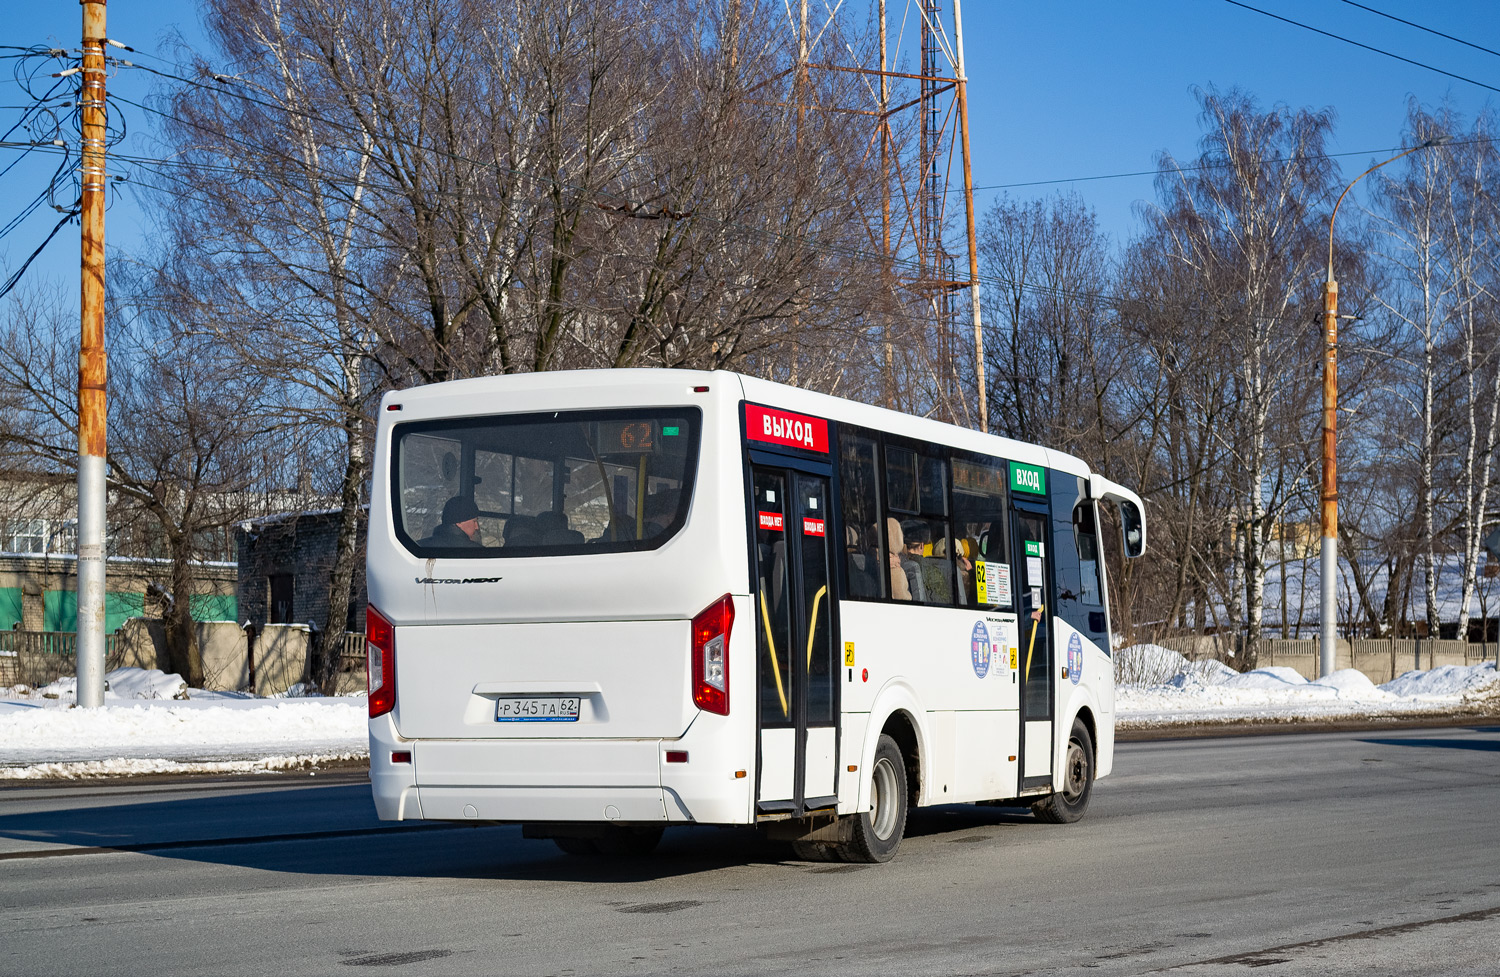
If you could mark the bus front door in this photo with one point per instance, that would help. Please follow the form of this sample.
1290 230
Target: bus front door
794 600
1036 645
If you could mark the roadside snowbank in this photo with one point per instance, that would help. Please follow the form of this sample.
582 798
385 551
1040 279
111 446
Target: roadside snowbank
144 728
1159 687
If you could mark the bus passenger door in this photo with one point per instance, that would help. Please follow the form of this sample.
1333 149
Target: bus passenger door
794 607
1037 679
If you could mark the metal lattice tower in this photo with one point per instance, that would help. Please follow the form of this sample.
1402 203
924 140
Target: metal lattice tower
935 280
921 317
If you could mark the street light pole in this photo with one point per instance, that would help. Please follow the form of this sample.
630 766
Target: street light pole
1329 514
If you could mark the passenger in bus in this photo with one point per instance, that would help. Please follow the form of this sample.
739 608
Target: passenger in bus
521 531
937 573
552 527
964 552
661 509
896 544
460 525
916 536
862 561
935 566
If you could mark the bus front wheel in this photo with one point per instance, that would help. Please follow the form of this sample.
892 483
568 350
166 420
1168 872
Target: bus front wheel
877 832
1067 805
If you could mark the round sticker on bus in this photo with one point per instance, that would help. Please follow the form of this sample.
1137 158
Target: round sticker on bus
979 649
1075 658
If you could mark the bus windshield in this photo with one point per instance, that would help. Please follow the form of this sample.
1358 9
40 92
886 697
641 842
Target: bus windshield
544 484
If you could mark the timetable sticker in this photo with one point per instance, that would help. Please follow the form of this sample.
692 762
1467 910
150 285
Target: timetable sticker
993 582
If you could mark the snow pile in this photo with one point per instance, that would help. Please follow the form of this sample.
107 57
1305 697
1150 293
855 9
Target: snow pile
1158 687
143 729
1444 682
124 683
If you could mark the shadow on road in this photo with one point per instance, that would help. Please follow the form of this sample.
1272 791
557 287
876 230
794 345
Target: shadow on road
1440 742
332 831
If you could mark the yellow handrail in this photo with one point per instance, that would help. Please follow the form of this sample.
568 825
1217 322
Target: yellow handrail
765 616
1041 610
812 629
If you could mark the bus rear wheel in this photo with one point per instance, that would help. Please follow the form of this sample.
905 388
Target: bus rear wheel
876 833
1068 805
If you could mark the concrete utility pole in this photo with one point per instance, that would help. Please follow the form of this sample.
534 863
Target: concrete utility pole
91 368
963 126
1328 611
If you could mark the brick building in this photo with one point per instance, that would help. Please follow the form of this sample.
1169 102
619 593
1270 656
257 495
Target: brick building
285 562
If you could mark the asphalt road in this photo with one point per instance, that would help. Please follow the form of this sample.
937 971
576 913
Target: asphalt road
1327 854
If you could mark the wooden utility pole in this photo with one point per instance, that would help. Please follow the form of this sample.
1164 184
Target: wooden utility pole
91 367
886 291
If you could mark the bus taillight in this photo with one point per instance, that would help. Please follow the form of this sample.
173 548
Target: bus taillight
711 656
380 662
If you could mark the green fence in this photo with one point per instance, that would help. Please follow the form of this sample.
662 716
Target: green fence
37 658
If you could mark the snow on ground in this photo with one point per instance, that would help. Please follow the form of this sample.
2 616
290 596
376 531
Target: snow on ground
1158 687
145 727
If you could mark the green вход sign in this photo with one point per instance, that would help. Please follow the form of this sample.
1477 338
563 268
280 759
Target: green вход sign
1028 478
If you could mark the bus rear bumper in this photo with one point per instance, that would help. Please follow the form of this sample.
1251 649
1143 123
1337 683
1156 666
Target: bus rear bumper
594 781
540 780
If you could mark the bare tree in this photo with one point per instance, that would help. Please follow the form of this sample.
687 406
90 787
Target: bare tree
1245 220
183 432
1440 226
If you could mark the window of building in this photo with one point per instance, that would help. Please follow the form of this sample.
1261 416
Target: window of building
279 586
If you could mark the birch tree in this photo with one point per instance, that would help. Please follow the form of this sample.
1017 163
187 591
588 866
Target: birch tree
1245 219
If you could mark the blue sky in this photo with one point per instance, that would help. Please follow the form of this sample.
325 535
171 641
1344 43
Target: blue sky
1059 90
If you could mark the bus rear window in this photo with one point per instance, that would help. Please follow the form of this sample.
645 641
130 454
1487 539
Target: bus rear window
544 484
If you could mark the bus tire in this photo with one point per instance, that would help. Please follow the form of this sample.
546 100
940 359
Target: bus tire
876 833
816 851
1068 805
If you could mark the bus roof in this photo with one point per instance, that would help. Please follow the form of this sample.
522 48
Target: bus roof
769 393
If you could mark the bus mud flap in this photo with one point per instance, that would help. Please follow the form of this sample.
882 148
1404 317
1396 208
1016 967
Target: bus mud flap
826 828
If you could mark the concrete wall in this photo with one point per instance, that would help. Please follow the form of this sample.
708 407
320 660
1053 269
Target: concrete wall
281 655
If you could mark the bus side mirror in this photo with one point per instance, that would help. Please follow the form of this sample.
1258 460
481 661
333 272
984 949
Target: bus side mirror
1132 516
1132 529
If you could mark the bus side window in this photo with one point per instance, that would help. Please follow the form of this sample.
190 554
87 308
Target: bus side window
861 512
1086 532
920 551
979 522
1075 557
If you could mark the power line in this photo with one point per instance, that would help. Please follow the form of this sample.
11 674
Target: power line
1213 166
844 251
1360 44
1450 37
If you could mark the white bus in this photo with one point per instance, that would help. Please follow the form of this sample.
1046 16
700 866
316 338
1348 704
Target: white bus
606 602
